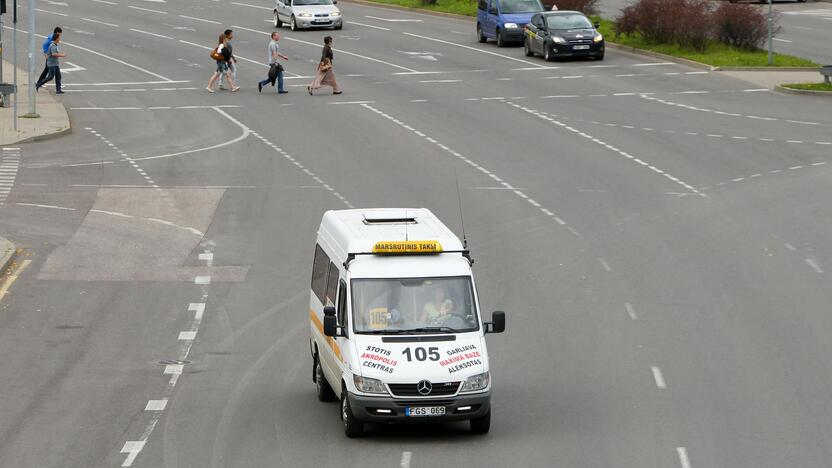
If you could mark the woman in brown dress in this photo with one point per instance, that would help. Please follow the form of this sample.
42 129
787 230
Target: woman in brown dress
324 76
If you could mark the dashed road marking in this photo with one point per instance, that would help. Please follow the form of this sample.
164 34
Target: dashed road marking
604 264
659 378
406 459
684 461
631 311
156 405
202 280
814 265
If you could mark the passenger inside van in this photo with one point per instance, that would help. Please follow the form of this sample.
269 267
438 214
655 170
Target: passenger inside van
437 308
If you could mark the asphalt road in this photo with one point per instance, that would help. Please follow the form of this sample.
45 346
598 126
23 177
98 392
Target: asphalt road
658 236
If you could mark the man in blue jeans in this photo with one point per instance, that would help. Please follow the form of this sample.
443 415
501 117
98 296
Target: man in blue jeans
53 65
274 56
45 47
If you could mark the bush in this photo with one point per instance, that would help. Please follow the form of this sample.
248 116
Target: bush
742 26
587 7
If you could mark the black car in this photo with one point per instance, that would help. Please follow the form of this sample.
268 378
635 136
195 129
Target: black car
557 34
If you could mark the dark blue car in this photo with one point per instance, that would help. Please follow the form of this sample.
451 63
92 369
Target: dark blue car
504 20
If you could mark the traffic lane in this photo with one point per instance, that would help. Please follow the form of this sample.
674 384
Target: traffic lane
759 326
805 30
79 355
483 284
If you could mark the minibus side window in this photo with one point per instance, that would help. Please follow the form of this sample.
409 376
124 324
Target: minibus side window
319 273
331 285
342 304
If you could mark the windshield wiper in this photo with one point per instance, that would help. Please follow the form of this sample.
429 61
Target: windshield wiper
432 329
394 331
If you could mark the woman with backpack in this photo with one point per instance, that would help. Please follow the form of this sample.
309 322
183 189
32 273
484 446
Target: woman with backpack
222 56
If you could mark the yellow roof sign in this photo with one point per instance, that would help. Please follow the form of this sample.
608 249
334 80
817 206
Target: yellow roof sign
407 247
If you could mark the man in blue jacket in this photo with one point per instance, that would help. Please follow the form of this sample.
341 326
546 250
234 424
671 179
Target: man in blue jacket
45 47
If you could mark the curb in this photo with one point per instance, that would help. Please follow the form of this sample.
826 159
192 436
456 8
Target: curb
764 69
669 58
7 254
46 136
412 10
802 92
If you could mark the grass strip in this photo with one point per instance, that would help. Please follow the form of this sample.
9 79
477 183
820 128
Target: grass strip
810 86
716 54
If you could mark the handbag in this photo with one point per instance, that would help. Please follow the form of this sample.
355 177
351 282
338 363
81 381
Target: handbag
216 54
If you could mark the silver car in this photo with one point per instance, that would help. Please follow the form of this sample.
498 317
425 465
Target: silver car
305 14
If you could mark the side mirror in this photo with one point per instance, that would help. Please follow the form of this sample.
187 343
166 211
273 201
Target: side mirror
330 322
596 24
497 324
492 11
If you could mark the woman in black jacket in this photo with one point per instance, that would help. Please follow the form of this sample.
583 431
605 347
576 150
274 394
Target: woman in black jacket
222 65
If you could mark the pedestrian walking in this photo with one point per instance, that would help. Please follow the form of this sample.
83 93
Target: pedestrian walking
275 67
324 75
53 54
45 47
222 55
232 63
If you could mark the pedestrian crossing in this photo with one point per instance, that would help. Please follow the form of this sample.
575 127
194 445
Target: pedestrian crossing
9 164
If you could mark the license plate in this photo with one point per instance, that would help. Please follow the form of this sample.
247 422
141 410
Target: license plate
424 411
321 22
581 47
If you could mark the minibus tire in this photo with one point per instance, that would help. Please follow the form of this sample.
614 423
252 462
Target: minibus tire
323 389
481 425
352 427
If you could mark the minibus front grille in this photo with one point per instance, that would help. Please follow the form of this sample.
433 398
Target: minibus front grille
411 389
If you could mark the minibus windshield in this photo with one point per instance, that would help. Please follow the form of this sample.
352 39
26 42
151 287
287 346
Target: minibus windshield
413 305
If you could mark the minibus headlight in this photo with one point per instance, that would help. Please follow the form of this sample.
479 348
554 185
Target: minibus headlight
476 382
598 38
510 25
368 385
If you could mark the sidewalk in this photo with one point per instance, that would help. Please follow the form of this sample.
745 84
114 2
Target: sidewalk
53 120
770 79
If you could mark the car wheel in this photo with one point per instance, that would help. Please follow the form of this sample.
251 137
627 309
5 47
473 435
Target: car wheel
338 28
324 390
352 427
480 36
599 56
481 425
548 55
293 25
500 41
527 49
277 22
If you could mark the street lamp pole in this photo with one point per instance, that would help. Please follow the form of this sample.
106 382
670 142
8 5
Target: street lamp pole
32 110
770 39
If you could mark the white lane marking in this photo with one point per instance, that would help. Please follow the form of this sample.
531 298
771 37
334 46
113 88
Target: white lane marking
336 50
132 449
202 280
349 102
791 247
199 19
781 40
113 59
395 20
105 2
684 461
187 335
152 34
406 458
147 9
198 308
630 311
657 375
814 266
548 118
207 257
98 22
652 64
367 25
253 6
604 264
440 81
51 12
802 122
52 207
173 369
156 405
468 161
538 67
474 49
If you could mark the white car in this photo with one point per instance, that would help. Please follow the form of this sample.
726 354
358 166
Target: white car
306 14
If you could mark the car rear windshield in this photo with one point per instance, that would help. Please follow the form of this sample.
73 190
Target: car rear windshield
413 305
521 6
568 22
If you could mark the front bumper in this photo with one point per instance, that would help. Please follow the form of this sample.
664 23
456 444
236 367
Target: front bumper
313 22
364 408
513 35
568 50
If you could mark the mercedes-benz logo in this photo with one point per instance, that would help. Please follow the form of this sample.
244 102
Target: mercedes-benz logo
424 387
